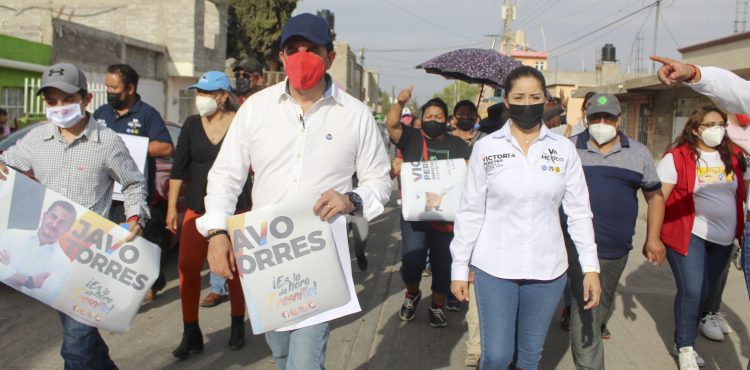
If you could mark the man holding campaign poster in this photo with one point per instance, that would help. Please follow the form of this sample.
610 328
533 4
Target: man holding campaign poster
303 135
79 159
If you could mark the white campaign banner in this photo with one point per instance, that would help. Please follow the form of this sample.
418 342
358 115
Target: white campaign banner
70 258
138 148
294 268
431 191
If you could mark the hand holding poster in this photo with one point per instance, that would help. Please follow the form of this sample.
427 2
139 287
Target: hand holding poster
288 264
70 258
431 191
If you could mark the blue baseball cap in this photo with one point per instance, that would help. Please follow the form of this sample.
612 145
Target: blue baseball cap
213 81
309 26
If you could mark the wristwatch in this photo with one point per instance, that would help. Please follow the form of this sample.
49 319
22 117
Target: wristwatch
356 201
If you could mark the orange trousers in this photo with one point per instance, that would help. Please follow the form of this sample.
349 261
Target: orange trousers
193 252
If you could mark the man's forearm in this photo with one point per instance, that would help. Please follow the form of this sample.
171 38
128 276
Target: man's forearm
655 216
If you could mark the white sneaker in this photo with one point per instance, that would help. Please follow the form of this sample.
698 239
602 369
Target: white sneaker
686 358
723 324
710 327
698 359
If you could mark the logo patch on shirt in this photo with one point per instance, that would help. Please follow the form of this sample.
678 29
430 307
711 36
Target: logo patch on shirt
134 127
80 168
551 156
329 137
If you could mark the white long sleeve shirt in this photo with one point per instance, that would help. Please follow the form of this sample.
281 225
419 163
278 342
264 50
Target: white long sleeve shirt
291 152
508 224
29 257
726 88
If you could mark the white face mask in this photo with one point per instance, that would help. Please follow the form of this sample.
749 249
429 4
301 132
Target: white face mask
206 105
602 133
712 136
65 116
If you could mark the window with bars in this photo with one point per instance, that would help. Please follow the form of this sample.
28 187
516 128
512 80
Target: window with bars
11 99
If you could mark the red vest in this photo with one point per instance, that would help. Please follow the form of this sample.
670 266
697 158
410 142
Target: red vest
679 215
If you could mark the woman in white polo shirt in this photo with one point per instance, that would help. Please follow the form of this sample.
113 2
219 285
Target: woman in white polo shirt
508 228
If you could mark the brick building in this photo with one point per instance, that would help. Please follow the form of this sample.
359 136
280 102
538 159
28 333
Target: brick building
170 43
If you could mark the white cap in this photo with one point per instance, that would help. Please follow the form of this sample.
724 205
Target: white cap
406 112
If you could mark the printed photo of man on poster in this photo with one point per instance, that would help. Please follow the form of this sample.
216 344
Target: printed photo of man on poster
32 261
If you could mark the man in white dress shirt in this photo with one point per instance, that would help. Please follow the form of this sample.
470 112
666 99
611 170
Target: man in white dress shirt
31 261
302 135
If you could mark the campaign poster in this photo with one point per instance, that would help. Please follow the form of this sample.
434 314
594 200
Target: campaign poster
431 191
70 258
138 148
289 264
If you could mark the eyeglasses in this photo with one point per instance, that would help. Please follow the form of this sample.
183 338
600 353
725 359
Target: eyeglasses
713 124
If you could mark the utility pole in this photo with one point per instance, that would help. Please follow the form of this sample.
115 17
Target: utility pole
656 33
509 14
740 16
362 75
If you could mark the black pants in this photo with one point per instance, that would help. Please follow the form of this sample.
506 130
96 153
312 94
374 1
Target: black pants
153 232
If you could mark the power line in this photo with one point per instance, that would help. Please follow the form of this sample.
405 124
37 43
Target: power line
527 18
669 31
615 28
414 50
427 20
603 27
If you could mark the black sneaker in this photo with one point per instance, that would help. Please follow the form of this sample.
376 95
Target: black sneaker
452 304
437 317
361 262
409 307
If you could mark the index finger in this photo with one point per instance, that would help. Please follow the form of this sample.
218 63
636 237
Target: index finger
662 60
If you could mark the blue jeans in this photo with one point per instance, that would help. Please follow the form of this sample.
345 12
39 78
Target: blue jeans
703 266
418 240
218 284
746 259
83 346
299 349
505 305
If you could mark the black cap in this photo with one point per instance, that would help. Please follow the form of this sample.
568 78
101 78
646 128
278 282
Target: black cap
249 65
309 26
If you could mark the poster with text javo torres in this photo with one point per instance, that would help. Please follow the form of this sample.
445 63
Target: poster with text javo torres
70 258
288 264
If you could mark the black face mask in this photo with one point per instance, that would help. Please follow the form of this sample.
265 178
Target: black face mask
433 129
465 124
526 116
242 86
114 100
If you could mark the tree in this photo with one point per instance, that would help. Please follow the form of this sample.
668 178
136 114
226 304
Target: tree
462 89
254 29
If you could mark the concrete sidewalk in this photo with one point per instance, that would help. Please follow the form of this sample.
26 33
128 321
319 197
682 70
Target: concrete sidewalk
641 326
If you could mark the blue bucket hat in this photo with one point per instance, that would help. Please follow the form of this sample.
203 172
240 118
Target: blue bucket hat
213 81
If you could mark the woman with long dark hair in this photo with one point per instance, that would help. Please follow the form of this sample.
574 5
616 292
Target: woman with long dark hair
702 177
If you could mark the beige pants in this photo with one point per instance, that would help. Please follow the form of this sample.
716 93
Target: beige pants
473 343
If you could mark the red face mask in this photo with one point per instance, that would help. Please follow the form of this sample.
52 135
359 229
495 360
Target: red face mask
304 70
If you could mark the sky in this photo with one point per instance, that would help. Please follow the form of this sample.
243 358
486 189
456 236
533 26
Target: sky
397 35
